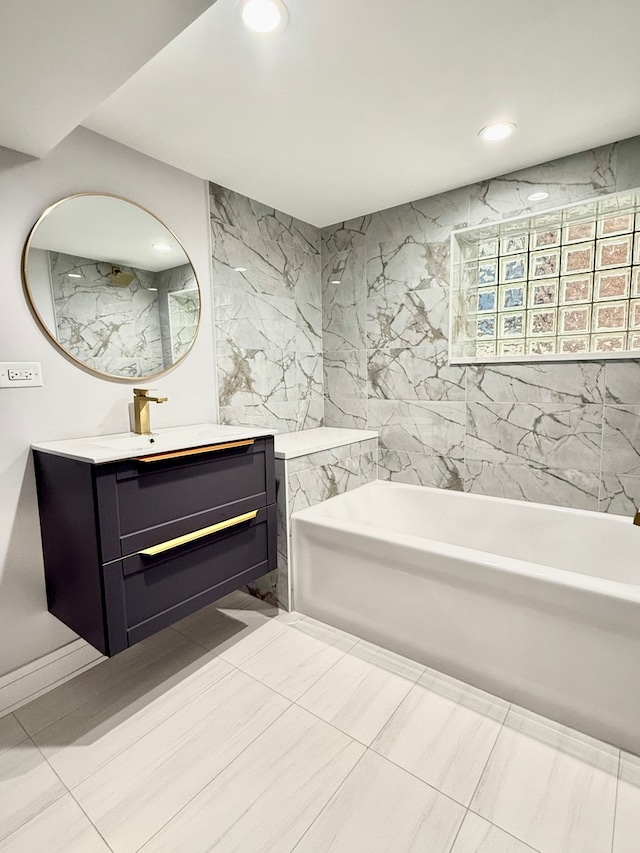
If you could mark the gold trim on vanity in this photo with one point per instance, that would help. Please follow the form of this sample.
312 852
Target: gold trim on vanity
197 534
193 451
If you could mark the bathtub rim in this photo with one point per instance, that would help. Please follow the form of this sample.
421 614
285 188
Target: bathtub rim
496 564
393 485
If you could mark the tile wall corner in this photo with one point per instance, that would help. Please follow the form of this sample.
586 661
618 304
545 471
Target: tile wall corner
305 481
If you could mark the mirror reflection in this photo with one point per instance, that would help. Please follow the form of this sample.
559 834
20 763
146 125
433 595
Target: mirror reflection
112 286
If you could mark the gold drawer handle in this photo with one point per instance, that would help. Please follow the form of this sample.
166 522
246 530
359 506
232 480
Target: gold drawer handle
197 534
192 451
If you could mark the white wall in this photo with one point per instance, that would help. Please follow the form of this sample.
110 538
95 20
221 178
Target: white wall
72 402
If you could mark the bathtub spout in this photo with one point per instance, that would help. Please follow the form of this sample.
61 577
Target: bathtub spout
636 518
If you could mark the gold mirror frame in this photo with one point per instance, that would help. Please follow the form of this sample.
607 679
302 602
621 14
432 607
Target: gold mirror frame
40 320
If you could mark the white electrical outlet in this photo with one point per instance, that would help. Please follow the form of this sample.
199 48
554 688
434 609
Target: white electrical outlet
20 374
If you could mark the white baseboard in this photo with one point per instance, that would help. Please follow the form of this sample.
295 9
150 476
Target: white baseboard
38 677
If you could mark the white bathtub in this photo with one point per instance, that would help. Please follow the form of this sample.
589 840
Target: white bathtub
537 604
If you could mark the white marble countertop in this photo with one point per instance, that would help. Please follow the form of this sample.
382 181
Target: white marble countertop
288 445
127 445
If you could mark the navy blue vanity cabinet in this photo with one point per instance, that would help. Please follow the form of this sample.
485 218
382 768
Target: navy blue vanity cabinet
132 546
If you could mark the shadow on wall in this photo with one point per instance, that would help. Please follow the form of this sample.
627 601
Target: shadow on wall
14 159
21 585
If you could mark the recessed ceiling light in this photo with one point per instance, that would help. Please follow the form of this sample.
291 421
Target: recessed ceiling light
161 247
335 281
74 275
239 269
539 196
264 16
497 132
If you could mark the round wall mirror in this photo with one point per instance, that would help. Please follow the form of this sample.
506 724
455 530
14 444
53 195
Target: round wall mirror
111 286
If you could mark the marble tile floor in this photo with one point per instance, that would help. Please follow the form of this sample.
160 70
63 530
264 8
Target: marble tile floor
251 730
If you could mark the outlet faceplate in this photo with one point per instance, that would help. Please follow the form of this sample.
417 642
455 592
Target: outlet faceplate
20 374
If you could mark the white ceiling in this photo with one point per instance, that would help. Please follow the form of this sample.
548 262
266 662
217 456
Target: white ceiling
363 104
109 229
358 105
59 60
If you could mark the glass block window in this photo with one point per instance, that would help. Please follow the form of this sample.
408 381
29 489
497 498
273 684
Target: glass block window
561 284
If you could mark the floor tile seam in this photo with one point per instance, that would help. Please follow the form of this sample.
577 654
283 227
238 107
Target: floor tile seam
101 693
258 651
295 702
47 665
459 830
45 761
391 714
491 751
63 794
26 733
328 645
56 799
71 794
506 831
335 726
214 777
615 803
329 800
262 684
190 639
329 723
337 661
334 664
411 773
148 731
49 688
26 737
400 704
42 731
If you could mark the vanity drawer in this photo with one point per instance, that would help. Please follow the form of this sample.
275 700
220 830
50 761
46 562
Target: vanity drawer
143 502
155 590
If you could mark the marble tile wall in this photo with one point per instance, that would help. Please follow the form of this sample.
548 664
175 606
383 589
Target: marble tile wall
268 314
561 433
112 329
128 331
184 313
303 482
179 315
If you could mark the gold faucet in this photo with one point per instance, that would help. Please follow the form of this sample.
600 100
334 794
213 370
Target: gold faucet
636 518
141 416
